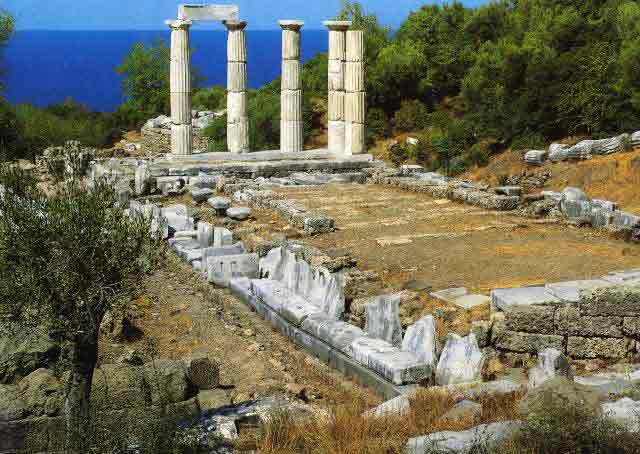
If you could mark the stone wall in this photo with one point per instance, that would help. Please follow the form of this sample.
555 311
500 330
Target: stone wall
600 322
158 140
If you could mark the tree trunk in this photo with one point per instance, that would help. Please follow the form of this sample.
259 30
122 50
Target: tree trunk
78 392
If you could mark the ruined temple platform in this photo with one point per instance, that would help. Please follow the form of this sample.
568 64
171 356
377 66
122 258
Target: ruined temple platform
260 164
410 236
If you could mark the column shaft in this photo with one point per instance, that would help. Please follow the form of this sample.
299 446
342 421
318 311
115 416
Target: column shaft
237 88
355 95
336 84
291 125
180 87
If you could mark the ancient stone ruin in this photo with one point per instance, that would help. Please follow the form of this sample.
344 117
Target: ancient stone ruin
347 96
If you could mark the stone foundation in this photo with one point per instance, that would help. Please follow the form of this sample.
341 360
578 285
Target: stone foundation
590 319
157 141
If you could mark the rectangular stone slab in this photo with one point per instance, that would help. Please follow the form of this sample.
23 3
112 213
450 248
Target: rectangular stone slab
334 332
570 291
503 298
208 13
296 309
220 270
270 292
391 363
319 349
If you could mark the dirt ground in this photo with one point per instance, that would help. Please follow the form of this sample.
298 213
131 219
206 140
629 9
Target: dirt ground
180 314
405 236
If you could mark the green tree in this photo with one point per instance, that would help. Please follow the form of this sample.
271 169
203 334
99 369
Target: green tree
65 260
145 78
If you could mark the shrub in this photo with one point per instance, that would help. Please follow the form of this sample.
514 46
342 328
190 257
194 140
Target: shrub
412 116
216 131
211 98
378 125
398 155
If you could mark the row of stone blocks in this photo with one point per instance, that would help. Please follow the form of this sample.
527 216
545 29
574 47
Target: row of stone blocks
306 304
587 319
442 187
574 204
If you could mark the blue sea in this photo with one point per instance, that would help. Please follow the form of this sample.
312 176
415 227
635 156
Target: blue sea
46 67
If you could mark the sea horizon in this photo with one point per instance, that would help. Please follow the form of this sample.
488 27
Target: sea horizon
45 67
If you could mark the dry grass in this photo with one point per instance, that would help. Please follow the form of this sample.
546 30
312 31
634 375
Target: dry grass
614 177
347 431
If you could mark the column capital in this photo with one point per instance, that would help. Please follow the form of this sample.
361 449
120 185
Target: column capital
233 25
338 25
179 24
294 25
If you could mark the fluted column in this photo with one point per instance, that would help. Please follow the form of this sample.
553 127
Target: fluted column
291 138
237 116
181 129
337 57
355 95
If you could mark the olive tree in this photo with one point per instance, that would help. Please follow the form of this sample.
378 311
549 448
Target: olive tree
65 260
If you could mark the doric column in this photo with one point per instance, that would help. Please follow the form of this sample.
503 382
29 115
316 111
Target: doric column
355 95
337 57
237 116
181 130
291 138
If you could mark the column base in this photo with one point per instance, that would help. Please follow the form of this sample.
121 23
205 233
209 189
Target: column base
238 136
181 139
291 136
355 139
336 137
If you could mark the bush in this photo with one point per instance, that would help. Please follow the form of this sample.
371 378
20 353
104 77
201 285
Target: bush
399 155
378 126
211 98
412 116
216 131
563 428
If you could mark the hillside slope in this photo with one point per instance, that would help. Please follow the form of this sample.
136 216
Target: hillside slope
615 177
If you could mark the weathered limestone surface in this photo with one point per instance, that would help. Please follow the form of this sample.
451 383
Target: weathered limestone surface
596 347
551 363
237 94
291 136
210 13
180 86
383 319
421 339
461 361
355 95
463 442
221 270
530 319
336 84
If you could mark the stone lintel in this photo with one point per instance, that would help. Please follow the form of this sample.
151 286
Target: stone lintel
294 25
338 25
178 24
233 25
208 13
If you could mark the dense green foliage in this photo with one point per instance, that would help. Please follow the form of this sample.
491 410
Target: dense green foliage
515 73
469 82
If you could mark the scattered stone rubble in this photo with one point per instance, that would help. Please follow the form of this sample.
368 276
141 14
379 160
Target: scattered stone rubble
156 132
583 150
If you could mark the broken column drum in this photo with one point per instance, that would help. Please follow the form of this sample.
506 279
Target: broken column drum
237 116
355 95
291 138
180 81
336 84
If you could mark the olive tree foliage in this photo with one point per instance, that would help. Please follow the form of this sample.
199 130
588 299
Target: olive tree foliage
65 260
